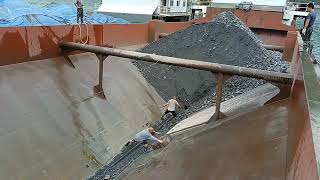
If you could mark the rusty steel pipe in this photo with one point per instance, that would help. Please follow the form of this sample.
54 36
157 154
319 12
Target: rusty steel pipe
219 94
274 48
162 35
187 63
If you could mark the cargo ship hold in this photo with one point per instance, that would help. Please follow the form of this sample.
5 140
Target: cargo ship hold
73 95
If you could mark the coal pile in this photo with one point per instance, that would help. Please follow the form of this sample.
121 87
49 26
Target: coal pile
225 40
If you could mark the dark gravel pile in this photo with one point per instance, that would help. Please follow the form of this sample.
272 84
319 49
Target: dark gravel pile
120 162
225 40
128 154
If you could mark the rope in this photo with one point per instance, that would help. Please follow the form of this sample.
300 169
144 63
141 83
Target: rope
80 34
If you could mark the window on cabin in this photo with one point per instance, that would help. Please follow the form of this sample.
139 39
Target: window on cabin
164 2
178 3
171 3
184 3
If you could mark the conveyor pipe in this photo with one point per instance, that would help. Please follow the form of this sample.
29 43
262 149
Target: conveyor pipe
274 48
187 63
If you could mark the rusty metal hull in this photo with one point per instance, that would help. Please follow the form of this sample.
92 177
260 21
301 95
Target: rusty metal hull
23 44
52 126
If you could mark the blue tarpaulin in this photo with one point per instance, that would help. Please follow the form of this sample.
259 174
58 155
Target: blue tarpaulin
21 13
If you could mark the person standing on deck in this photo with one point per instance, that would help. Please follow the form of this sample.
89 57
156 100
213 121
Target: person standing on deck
171 107
143 136
79 5
308 24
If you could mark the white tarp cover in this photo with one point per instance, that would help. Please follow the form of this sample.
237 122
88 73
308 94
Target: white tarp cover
146 7
281 3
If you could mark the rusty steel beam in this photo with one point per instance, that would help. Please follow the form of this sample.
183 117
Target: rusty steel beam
219 95
98 89
274 48
162 35
193 64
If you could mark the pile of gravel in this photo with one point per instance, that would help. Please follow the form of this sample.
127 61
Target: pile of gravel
225 40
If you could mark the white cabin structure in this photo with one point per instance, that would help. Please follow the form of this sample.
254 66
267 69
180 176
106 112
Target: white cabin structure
290 12
138 11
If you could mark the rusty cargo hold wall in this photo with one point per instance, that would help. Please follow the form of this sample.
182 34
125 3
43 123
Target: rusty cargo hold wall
22 44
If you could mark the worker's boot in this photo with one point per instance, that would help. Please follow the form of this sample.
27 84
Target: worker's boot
164 117
146 147
128 143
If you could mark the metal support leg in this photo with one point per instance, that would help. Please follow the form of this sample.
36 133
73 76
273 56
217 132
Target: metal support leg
65 55
98 89
218 114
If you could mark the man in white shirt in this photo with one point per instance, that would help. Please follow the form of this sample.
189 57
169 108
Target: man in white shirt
143 136
172 103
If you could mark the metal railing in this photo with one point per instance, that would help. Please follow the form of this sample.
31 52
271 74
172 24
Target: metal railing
164 9
168 10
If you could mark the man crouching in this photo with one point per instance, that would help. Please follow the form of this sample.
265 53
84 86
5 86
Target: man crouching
143 136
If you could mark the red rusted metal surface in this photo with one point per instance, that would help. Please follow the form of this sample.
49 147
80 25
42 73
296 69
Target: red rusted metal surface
23 44
301 160
125 34
157 27
290 46
256 19
271 37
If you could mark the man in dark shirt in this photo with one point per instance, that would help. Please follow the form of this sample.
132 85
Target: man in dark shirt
308 24
79 5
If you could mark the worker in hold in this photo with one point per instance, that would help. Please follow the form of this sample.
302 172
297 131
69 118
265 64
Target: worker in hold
171 107
308 25
79 5
143 136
